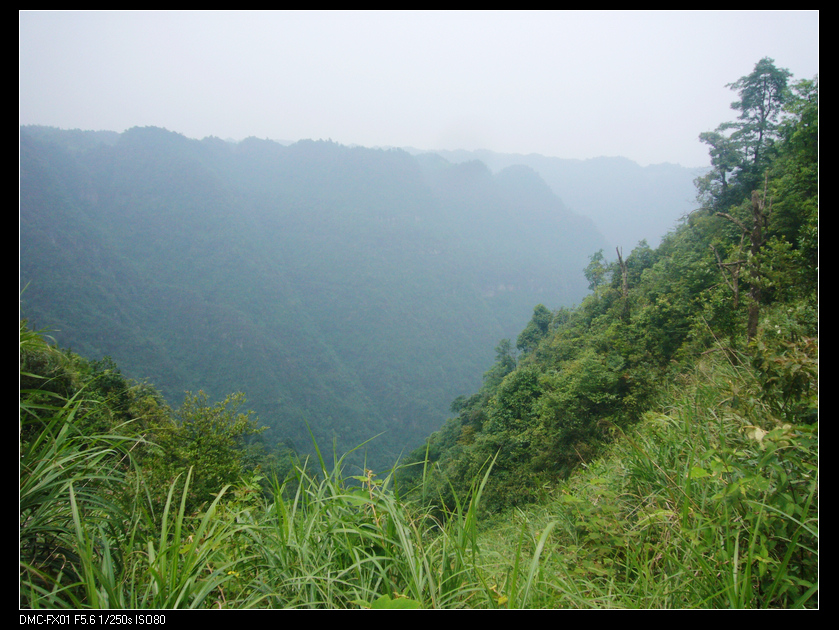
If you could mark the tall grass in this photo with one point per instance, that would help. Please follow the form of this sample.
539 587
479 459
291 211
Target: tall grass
727 497
319 539
64 474
711 502
341 542
84 535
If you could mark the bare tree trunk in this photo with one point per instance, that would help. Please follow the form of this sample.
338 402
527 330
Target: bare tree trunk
760 219
624 281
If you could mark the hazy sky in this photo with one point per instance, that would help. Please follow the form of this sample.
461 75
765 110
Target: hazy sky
570 84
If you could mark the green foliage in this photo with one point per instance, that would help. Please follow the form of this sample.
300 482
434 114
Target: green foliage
762 94
740 150
209 439
505 362
596 271
709 502
399 603
747 256
672 446
67 473
536 329
511 409
786 367
733 491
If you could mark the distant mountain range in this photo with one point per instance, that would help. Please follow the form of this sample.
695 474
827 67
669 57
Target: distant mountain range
355 290
627 202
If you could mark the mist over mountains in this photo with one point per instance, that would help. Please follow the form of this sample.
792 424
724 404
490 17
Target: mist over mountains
357 291
627 202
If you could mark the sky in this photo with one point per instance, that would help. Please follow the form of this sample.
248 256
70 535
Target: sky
569 84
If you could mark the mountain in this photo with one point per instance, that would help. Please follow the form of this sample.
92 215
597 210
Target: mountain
358 291
626 202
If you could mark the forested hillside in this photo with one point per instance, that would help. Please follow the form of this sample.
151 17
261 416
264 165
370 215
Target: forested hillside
654 447
352 289
739 276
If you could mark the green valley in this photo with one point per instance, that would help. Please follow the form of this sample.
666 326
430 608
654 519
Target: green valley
350 289
250 377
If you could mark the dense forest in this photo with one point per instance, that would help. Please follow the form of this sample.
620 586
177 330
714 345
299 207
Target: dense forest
655 446
352 290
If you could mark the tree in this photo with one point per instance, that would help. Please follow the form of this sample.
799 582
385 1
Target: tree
725 161
755 233
536 329
505 362
762 97
211 439
596 271
790 173
796 172
738 149
512 407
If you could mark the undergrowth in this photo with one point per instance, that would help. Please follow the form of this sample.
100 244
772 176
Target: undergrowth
710 502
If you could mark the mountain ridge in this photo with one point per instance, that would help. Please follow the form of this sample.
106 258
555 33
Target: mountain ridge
627 202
